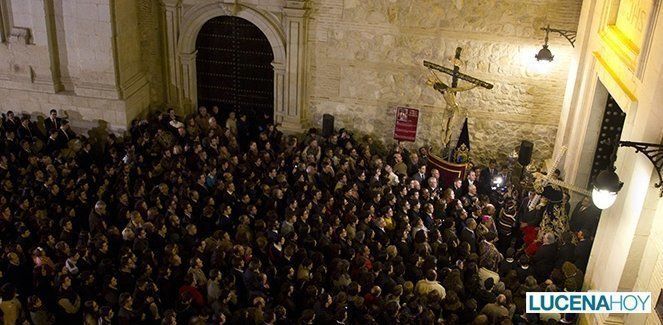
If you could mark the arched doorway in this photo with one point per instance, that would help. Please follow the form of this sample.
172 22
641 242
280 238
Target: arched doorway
284 25
234 68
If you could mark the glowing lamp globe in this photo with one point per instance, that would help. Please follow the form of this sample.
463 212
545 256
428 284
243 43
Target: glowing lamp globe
606 187
603 199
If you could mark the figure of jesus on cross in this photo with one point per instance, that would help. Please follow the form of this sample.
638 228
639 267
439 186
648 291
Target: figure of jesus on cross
449 92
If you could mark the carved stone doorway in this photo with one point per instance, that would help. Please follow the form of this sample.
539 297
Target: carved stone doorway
234 67
284 23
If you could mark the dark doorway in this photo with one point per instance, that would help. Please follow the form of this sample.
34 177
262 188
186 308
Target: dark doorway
611 129
234 68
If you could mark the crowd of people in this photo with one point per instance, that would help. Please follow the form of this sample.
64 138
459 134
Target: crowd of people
211 220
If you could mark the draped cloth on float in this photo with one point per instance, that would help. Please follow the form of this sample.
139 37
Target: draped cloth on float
461 154
555 219
448 171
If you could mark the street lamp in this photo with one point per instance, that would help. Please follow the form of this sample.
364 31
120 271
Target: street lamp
607 183
545 54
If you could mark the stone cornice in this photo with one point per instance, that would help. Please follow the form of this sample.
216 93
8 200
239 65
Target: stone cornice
171 3
296 4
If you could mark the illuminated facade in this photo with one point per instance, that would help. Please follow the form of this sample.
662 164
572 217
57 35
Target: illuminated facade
620 53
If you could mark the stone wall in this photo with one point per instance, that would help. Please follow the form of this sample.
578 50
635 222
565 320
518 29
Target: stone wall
149 17
96 61
25 62
366 59
105 60
88 33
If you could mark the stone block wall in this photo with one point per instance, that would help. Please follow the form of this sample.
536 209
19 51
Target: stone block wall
25 61
88 33
149 17
84 113
366 59
93 60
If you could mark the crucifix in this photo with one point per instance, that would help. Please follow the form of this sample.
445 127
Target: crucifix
541 180
449 92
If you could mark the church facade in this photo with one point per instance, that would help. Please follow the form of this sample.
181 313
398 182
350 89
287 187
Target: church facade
103 60
109 61
619 56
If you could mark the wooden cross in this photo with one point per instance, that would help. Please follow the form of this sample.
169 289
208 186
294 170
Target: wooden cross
543 180
455 72
449 92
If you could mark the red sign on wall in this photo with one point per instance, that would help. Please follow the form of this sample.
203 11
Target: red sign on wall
406 124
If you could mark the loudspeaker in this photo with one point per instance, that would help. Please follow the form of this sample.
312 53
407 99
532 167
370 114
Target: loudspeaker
525 153
327 125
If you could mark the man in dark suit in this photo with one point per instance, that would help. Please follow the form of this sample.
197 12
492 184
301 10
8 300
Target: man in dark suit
585 216
524 269
567 249
238 273
427 216
434 187
11 143
11 122
53 122
379 230
420 175
471 194
65 133
457 188
53 144
486 177
524 204
26 152
467 234
85 158
97 218
469 180
583 249
27 131
545 257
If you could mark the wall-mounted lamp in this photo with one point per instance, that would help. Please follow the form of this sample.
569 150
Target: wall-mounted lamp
545 54
607 183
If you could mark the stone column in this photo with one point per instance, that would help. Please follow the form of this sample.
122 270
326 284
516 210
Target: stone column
189 92
296 30
171 30
279 92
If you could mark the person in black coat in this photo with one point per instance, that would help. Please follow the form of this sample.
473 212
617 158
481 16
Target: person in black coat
11 143
509 263
486 177
585 216
65 133
85 157
523 208
27 131
427 216
420 175
11 122
243 131
566 251
467 234
471 179
545 257
96 218
53 143
582 251
524 269
53 122
457 188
